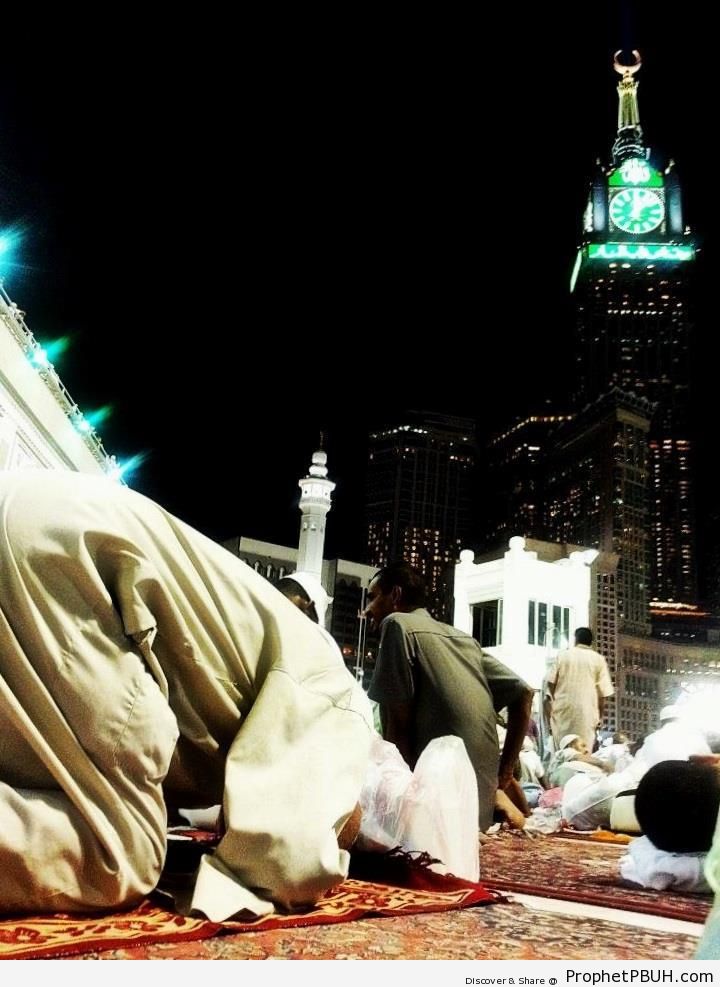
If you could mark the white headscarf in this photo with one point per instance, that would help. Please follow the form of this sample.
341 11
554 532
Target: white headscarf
315 590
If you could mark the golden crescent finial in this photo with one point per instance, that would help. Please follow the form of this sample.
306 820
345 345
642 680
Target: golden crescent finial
627 70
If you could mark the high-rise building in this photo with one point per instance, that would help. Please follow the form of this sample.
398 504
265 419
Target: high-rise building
619 476
418 497
597 493
513 492
631 286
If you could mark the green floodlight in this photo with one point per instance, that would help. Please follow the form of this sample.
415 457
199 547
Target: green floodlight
96 418
9 239
45 354
122 469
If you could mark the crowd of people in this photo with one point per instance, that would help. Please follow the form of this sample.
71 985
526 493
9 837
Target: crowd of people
143 668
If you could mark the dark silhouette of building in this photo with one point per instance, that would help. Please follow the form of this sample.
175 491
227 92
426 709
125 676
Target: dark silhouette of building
418 496
597 493
513 494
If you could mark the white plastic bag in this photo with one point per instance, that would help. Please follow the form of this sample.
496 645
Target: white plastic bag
439 811
432 810
545 820
387 779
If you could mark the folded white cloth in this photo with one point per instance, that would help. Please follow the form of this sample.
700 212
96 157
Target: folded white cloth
202 818
652 868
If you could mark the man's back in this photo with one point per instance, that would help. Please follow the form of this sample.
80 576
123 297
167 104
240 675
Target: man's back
452 686
578 679
120 627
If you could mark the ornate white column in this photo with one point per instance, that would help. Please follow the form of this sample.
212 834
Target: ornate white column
315 502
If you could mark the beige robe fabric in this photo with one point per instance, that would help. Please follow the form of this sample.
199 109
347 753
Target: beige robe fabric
120 628
580 677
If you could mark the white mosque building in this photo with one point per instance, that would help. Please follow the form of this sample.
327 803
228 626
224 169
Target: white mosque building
40 424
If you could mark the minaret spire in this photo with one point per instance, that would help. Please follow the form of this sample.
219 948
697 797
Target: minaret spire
629 140
315 502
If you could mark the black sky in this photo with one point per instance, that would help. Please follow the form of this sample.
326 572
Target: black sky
255 233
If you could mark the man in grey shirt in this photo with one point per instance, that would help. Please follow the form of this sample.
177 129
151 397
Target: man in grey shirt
432 680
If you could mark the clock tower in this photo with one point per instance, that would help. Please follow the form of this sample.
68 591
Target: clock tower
631 288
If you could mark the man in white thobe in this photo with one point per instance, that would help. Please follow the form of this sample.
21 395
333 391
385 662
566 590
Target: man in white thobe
142 664
578 684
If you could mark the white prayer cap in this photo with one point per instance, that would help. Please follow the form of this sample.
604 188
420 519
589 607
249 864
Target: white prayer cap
567 740
315 590
669 713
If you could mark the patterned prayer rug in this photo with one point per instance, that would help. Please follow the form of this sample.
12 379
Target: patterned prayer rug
68 935
578 870
507 932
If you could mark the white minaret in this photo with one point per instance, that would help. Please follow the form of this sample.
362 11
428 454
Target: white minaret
315 502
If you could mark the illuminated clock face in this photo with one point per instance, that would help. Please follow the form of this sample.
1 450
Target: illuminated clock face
636 210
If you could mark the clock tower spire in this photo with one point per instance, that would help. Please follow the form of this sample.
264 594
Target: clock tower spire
629 140
632 294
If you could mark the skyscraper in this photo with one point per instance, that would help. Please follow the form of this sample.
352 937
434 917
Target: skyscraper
597 493
631 286
619 477
513 491
418 496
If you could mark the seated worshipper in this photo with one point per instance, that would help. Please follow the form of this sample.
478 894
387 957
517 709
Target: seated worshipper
432 680
677 804
677 739
615 752
587 801
142 664
573 757
589 804
533 778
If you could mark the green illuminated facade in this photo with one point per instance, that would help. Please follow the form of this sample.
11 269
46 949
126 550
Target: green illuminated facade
631 288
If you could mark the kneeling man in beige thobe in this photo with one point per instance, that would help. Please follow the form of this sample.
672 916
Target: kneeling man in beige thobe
142 665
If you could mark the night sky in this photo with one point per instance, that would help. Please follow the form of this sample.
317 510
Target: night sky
251 235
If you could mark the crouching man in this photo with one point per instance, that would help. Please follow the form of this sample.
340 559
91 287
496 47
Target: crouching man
141 663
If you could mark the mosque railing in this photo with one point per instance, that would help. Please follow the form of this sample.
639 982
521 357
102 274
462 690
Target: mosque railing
14 319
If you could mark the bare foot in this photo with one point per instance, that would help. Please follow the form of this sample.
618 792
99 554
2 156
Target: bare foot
514 816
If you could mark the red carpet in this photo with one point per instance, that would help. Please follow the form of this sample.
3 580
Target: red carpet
579 870
414 890
506 932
